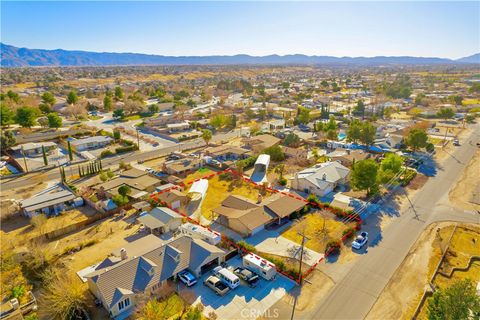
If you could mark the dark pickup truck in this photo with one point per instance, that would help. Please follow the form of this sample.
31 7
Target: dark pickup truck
248 276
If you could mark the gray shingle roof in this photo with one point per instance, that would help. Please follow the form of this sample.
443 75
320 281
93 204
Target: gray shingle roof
135 274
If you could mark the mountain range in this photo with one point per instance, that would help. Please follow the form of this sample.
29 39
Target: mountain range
12 56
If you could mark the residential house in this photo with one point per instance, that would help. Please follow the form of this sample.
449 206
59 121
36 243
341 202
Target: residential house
161 220
296 153
139 181
50 203
33 149
118 282
90 143
247 218
182 167
227 153
348 157
320 179
260 142
173 198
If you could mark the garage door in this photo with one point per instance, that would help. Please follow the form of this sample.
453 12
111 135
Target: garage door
209 266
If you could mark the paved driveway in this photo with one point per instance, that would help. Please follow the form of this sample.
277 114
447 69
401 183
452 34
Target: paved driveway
243 302
271 241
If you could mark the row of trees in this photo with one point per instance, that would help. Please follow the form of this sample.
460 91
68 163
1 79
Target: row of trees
361 131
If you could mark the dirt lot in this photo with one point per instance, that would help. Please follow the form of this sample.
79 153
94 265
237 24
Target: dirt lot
463 193
320 227
403 292
219 189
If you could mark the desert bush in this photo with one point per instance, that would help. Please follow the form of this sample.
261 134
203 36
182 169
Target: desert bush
333 247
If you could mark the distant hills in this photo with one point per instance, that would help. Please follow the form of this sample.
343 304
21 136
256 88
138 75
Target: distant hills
23 57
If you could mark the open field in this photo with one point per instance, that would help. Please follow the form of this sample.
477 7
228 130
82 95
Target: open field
320 227
464 192
403 292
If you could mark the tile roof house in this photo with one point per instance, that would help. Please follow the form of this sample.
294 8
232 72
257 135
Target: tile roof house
248 218
320 179
118 285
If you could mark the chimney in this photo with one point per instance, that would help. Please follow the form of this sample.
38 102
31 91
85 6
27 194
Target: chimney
348 151
123 254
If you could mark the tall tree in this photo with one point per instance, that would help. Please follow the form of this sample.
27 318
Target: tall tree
354 131
389 167
364 176
118 93
48 98
368 134
206 136
6 115
107 103
26 116
45 159
72 97
416 139
445 113
7 139
69 148
54 120
459 301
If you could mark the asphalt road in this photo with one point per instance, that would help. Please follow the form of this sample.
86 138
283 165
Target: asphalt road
54 174
356 293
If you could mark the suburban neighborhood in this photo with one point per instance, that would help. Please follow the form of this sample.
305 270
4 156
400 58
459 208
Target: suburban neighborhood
345 188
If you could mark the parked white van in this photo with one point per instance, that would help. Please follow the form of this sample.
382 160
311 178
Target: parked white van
227 276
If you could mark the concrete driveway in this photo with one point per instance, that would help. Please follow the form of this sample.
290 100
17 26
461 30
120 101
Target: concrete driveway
243 302
271 241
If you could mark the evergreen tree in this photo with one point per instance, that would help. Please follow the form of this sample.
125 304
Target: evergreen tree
45 159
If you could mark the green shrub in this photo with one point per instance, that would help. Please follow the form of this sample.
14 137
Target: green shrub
407 176
125 149
225 176
333 246
349 233
106 153
282 181
120 200
246 246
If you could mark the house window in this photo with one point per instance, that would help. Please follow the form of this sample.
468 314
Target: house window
123 304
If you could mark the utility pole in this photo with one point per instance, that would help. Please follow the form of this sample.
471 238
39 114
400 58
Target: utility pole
304 238
24 159
138 139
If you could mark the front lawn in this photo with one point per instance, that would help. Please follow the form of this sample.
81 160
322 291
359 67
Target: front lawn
318 229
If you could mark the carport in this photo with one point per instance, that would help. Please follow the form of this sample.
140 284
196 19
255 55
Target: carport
209 266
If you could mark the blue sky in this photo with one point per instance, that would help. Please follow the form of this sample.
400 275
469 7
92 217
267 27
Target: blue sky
440 29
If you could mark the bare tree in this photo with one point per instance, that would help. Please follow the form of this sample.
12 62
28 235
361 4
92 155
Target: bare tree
63 295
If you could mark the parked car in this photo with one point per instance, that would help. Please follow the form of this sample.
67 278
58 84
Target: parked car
456 142
248 276
216 285
360 241
187 278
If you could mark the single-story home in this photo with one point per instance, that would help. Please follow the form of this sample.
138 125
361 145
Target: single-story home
347 157
320 179
260 142
182 167
225 153
173 198
50 203
33 149
147 270
139 181
91 143
161 220
247 218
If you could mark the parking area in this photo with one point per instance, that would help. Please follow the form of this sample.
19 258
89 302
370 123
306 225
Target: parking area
241 303
271 241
